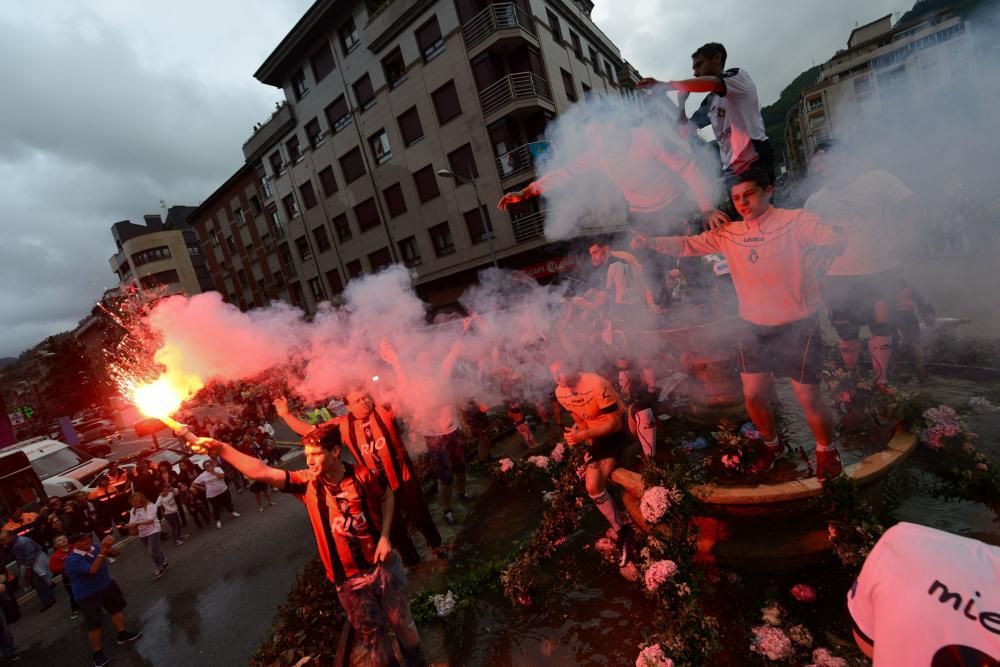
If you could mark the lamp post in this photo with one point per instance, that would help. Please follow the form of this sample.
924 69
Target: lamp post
487 225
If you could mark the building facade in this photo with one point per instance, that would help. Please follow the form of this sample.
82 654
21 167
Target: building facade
342 180
882 73
160 257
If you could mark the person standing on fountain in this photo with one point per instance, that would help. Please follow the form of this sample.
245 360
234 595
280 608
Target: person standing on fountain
597 412
862 284
731 108
352 516
778 296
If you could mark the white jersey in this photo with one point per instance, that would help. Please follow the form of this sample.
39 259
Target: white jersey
868 210
735 118
924 596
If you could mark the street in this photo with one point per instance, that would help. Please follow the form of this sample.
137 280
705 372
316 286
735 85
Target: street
213 606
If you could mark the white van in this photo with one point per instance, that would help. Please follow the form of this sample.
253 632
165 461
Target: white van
62 469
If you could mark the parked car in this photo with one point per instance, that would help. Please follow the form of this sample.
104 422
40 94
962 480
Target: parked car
96 428
98 447
61 468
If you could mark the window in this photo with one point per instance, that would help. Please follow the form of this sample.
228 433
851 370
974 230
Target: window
299 86
262 287
569 85
474 222
379 143
291 207
316 288
213 236
322 240
429 39
394 200
338 115
314 133
354 269
274 219
594 62
364 93
586 91
610 72
265 184
379 259
242 277
294 150
410 128
308 195
322 62
157 280
446 103
194 250
426 181
231 244
277 164
394 68
240 220
302 245
342 227
336 284
367 214
554 25
462 162
151 255
577 47
441 238
348 36
862 88
409 252
278 280
327 181
265 241
255 205
353 165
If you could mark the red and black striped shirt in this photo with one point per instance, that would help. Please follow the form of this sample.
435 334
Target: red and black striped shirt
346 518
375 443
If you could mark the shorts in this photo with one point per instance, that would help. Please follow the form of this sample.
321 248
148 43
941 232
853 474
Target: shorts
852 299
908 325
477 421
793 350
110 599
447 455
608 447
764 162
258 487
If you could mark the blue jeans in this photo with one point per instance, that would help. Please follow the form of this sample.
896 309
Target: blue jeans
152 543
41 580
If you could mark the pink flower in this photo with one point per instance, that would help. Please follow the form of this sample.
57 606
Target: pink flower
539 461
731 460
559 452
942 414
581 471
506 465
823 658
655 503
653 656
659 572
630 572
804 593
843 397
606 548
771 642
524 600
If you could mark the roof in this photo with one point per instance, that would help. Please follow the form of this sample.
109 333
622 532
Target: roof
300 39
850 37
219 192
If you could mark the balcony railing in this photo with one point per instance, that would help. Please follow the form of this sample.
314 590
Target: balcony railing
288 270
520 159
529 227
498 16
511 88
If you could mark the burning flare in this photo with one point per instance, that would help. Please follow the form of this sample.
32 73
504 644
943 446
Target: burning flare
157 399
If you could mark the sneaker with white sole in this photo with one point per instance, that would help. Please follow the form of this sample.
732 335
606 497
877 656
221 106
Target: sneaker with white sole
236 515
101 660
177 543
218 524
126 636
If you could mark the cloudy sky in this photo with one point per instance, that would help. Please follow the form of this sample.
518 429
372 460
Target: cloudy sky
111 106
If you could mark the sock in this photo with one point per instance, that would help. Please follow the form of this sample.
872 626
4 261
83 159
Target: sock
824 448
606 504
645 429
880 347
525 430
773 442
850 352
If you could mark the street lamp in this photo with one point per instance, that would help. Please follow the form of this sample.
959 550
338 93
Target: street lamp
487 226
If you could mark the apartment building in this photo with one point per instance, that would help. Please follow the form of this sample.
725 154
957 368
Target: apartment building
161 257
883 72
343 180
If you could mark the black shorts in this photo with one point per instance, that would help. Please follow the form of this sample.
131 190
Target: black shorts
608 447
852 299
258 487
793 350
110 599
907 325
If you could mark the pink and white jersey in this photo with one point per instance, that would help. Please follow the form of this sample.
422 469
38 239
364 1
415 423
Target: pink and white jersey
774 278
927 597
868 210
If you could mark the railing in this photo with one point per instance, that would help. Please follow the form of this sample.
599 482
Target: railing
498 16
520 159
288 270
512 87
529 227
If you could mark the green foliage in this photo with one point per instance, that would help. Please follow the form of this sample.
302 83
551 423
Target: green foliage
469 585
853 524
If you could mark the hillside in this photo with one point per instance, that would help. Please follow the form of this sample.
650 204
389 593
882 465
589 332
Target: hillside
774 114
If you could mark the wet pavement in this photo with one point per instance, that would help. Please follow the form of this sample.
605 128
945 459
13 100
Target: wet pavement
213 606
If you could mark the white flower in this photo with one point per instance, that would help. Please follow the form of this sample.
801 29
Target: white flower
559 452
506 465
823 658
539 461
771 615
771 642
653 656
655 502
444 604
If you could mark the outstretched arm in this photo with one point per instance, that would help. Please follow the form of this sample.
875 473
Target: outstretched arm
294 423
449 360
250 466
389 355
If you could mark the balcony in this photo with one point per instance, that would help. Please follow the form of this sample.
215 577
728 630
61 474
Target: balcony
288 271
520 161
523 90
498 24
529 227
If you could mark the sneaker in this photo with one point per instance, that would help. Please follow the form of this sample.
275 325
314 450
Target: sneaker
11 659
73 615
260 509
100 660
236 515
828 464
218 524
449 517
766 458
126 636
185 536
270 503
177 543
625 546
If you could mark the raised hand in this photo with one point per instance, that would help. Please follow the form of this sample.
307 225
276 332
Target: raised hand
510 198
639 240
281 405
714 219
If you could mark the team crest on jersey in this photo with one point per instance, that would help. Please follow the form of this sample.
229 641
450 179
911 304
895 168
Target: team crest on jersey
753 256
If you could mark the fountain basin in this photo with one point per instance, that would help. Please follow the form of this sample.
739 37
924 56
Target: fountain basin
769 526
